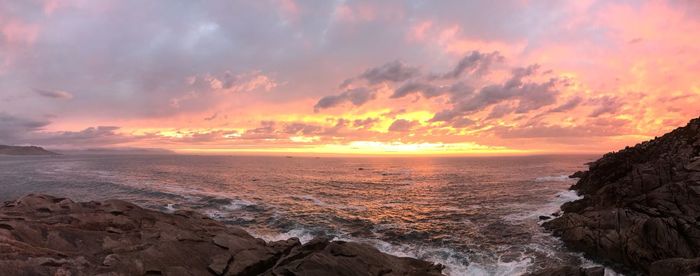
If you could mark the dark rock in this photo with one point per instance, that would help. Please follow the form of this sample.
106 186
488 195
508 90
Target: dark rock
675 266
545 217
118 238
219 263
640 205
578 174
568 270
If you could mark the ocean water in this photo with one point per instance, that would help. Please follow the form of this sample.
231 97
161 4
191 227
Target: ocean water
476 215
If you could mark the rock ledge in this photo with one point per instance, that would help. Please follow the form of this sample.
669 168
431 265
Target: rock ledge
640 206
45 235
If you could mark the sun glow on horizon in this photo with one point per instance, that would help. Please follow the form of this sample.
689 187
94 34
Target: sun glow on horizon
376 79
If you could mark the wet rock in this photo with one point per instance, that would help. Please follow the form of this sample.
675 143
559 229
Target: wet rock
640 205
544 217
325 257
118 238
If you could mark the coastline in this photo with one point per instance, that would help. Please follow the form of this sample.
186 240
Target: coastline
45 235
639 207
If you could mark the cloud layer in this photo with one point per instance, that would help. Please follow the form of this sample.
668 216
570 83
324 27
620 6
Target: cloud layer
333 76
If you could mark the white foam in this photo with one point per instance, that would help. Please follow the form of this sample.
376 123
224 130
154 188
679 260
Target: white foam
554 178
237 204
455 262
500 268
546 209
303 235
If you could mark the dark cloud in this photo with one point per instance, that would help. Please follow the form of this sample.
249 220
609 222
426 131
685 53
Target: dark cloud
475 63
365 123
402 125
212 117
529 95
395 71
92 136
301 129
462 122
568 105
605 105
55 94
13 129
356 96
499 111
428 90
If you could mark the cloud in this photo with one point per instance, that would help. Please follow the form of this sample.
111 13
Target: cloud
499 111
529 95
356 96
365 123
13 129
428 90
462 122
474 63
568 105
395 71
592 128
401 125
92 136
606 105
301 129
212 117
55 94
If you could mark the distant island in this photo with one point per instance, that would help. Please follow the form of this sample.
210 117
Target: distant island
24 150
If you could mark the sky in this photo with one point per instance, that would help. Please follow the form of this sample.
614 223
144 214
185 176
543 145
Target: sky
347 77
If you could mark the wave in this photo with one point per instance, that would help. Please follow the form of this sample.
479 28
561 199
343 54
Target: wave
303 235
554 178
455 262
547 209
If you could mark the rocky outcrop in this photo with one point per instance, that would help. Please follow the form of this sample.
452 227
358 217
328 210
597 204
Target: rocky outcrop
28 150
640 206
44 235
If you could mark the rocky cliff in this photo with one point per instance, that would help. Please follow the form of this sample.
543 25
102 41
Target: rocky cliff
44 235
28 150
640 206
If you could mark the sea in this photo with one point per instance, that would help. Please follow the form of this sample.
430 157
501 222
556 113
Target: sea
475 215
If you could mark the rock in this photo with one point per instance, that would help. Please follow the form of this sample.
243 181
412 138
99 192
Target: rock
118 238
322 256
577 174
571 271
675 266
544 217
694 165
219 263
640 205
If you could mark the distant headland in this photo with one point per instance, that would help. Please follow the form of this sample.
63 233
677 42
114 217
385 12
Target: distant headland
24 150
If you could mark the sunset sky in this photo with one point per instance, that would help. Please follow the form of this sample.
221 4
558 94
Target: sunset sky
388 77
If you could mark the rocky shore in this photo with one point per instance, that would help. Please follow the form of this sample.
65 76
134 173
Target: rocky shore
641 207
45 235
